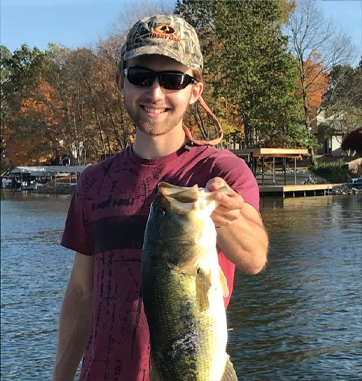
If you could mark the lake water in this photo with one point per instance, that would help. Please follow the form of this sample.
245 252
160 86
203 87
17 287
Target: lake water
300 319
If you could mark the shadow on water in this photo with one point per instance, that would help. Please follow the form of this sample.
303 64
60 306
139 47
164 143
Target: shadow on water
300 319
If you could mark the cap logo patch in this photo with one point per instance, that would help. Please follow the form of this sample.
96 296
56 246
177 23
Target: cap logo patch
164 28
164 31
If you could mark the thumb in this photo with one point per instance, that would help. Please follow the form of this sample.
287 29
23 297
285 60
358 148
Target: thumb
215 183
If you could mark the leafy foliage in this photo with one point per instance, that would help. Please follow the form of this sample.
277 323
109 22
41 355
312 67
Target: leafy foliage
343 99
318 45
22 73
334 172
247 65
317 82
353 141
64 102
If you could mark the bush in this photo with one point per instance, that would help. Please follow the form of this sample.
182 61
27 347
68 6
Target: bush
353 141
334 172
4 165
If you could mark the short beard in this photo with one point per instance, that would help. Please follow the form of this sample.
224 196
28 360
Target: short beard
151 127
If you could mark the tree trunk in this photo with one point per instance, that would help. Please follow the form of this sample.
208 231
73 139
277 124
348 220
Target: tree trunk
247 133
306 108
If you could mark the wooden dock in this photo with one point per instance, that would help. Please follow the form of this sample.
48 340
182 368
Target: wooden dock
253 155
296 190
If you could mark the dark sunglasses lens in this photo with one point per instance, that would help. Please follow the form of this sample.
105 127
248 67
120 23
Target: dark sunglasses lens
140 77
173 81
168 80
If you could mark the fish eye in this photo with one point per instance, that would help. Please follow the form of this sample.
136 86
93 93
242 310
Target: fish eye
161 212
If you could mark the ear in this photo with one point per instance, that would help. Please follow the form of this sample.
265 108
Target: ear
119 81
197 90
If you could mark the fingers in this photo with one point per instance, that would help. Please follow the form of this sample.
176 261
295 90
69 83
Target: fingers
224 217
230 203
215 183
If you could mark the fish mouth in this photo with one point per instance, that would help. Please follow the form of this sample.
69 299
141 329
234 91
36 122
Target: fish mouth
188 198
181 194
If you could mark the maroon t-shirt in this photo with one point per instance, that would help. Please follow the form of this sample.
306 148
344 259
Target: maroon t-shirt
107 218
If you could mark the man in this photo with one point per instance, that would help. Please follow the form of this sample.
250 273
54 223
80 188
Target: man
102 315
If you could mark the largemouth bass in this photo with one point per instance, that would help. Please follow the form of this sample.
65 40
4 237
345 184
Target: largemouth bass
183 288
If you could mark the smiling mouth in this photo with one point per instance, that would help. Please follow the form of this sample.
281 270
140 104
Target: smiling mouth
154 110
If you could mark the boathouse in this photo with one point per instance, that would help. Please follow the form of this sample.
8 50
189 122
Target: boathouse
35 177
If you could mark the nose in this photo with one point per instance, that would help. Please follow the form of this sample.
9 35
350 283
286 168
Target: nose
155 90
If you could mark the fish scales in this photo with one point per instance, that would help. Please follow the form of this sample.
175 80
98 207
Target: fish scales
183 289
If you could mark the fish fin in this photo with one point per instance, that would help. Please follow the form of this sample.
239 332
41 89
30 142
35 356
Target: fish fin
191 265
154 374
203 284
224 283
229 372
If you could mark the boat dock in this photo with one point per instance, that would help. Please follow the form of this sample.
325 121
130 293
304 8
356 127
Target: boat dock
297 190
282 182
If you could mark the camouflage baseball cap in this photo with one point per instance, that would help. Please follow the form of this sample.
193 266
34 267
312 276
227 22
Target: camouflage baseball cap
164 35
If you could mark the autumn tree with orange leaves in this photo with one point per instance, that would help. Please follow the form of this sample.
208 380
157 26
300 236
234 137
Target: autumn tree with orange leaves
318 45
71 107
317 83
64 102
22 137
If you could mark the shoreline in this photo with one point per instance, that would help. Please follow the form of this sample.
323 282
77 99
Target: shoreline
343 189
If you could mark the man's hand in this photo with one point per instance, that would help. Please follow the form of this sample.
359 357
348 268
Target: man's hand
230 203
241 235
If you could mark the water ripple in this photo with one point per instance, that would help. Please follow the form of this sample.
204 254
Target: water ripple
300 319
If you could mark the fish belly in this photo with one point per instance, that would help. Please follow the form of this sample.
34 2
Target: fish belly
188 341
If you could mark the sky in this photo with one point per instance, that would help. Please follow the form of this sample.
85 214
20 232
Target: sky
78 23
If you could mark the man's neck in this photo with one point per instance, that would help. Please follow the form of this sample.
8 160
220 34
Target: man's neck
152 147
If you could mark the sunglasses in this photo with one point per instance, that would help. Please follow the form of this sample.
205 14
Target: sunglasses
170 80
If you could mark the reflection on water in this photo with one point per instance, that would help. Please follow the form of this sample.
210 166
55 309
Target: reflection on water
34 272
300 319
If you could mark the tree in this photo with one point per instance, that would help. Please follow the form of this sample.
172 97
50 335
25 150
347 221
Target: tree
353 141
343 99
5 111
310 32
248 66
317 82
93 119
21 75
62 102
108 105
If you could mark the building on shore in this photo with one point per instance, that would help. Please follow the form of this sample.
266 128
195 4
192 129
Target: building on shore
32 178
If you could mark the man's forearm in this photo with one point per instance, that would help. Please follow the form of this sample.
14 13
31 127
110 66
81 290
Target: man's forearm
74 325
244 242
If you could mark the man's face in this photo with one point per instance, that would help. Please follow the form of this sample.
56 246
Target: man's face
156 110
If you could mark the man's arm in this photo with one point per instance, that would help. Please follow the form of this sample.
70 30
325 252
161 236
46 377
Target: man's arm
75 318
240 231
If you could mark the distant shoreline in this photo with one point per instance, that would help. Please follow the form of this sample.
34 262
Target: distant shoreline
343 189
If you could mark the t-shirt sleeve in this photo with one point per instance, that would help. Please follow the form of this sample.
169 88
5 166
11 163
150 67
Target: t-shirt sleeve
75 235
238 176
